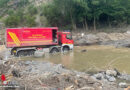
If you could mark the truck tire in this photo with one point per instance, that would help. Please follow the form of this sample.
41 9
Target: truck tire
25 53
20 53
66 49
54 51
12 51
31 52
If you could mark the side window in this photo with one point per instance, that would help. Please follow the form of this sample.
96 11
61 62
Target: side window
54 35
68 36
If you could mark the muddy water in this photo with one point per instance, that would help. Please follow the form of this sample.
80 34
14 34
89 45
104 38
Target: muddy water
94 59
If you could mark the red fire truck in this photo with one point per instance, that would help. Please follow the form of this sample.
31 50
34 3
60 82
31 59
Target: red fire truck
25 41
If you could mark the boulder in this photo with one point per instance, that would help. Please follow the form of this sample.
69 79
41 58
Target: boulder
99 76
124 77
110 78
123 85
111 73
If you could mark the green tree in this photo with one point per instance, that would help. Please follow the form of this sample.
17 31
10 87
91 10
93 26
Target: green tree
10 12
3 3
66 12
32 10
29 21
53 14
12 21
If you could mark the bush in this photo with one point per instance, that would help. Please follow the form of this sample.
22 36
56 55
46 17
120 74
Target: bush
32 10
12 21
30 21
3 3
10 12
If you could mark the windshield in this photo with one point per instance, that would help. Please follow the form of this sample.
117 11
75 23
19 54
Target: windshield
68 36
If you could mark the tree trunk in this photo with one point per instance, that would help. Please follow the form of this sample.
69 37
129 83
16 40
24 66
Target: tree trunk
109 23
73 24
94 23
86 25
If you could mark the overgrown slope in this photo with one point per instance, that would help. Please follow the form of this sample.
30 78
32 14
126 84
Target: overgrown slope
21 13
67 14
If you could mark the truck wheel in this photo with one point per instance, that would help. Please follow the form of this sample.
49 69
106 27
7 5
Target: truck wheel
25 53
13 51
66 49
20 53
54 51
31 52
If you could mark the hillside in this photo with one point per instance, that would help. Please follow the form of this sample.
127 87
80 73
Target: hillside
19 13
85 15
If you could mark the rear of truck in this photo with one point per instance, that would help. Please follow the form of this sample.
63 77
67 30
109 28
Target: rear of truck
26 37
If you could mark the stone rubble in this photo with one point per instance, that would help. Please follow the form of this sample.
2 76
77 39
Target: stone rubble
115 39
48 76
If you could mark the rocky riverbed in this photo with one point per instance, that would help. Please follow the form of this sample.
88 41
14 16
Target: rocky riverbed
39 75
115 39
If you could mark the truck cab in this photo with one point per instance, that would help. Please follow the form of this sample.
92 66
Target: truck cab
65 40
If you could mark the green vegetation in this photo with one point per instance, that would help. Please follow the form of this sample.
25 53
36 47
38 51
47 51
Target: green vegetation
16 13
19 13
19 19
84 13
12 21
66 14
3 3
32 10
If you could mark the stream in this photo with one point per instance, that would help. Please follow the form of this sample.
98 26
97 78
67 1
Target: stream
91 58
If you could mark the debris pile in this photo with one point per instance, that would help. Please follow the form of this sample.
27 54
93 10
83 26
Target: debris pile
39 75
115 39
45 75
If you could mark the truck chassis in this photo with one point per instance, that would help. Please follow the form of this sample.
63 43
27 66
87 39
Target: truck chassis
29 51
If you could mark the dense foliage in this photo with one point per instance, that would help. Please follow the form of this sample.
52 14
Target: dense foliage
3 3
68 14
19 13
84 13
